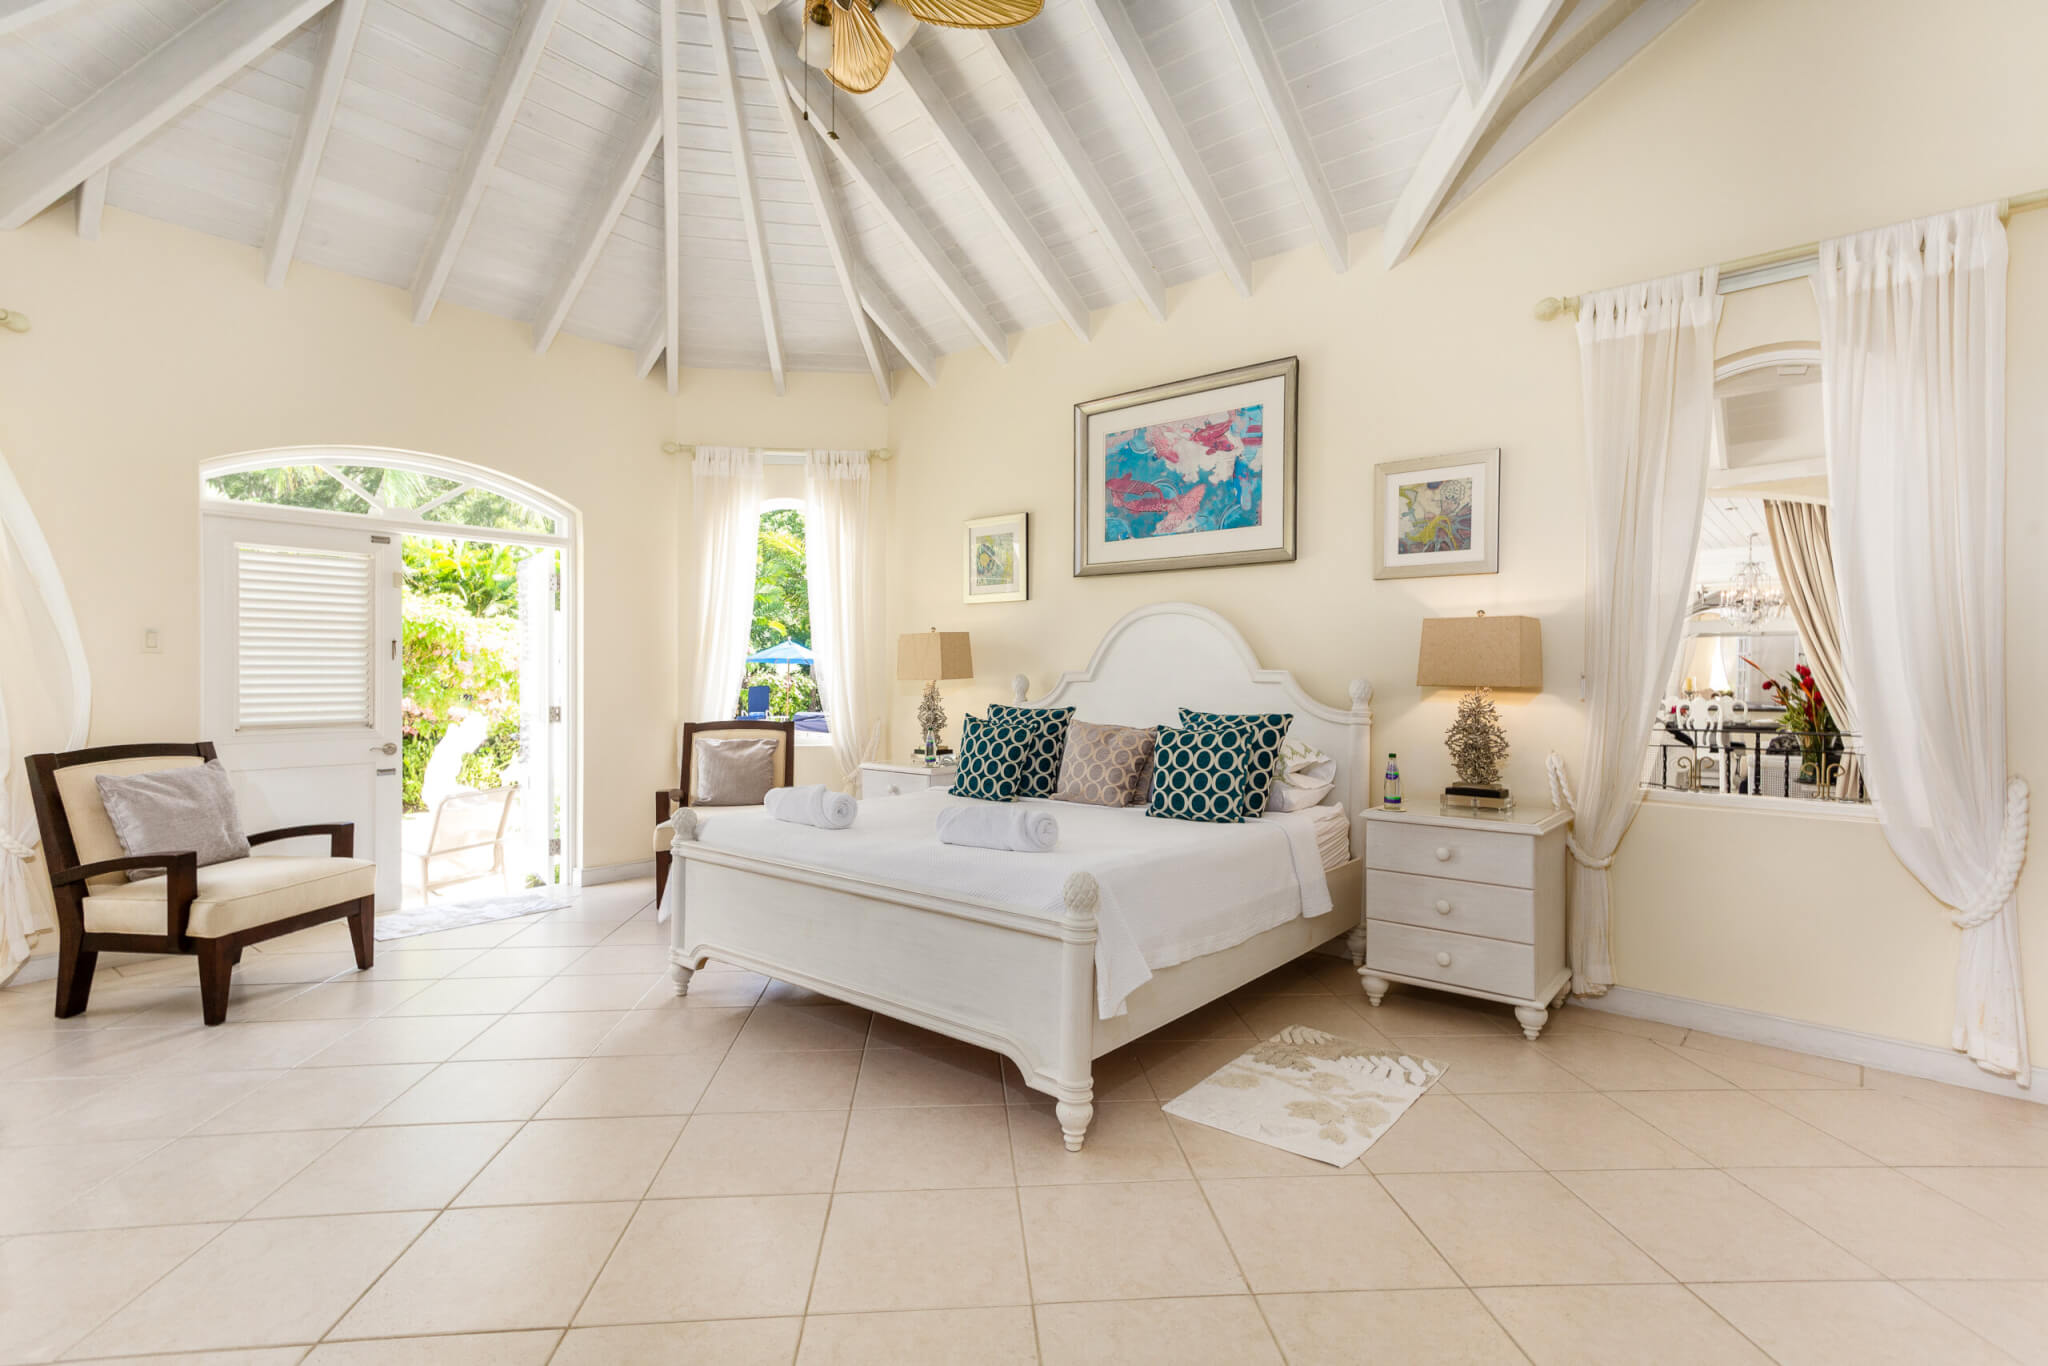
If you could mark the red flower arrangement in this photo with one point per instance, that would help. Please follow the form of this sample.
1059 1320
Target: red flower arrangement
1806 713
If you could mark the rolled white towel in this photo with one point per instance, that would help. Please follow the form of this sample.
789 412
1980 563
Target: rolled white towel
815 804
999 825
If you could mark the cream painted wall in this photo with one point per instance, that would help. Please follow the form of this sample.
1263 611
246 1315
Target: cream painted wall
1748 127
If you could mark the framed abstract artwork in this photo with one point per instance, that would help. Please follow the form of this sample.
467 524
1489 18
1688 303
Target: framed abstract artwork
1437 515
1187 475
997 567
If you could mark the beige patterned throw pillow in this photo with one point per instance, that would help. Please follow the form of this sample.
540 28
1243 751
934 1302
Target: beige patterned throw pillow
1106 765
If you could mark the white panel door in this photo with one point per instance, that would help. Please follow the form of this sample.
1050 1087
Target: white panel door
300 678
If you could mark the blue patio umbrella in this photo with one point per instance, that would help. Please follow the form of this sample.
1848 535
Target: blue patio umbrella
782 652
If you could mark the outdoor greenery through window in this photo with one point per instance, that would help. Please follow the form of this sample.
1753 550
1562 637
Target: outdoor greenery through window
377 490
779 660
460 653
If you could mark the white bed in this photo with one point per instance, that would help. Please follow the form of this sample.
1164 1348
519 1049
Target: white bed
1051 959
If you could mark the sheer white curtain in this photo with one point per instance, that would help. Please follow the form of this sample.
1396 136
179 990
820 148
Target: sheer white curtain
839 563
1912 326
725 485
1646 355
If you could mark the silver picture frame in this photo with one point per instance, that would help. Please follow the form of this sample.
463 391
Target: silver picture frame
1288 371
1482 558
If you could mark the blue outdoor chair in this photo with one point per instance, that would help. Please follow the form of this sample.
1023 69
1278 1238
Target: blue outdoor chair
757 703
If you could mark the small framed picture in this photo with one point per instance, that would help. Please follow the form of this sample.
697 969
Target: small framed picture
1437 515
997 552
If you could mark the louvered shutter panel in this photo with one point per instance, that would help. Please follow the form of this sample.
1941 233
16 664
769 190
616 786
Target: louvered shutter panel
303 626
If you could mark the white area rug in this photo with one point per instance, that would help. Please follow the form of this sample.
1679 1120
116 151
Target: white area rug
1310 1093
453 915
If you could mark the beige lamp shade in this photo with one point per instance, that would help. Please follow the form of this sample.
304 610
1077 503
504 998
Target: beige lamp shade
1481 652
928 656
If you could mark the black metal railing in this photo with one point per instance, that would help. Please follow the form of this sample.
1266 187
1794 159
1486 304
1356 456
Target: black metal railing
1744 758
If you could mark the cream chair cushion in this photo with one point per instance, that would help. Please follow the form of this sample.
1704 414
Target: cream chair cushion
664 836
92 832
233 896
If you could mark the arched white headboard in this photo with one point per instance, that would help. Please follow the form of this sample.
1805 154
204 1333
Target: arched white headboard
1170 655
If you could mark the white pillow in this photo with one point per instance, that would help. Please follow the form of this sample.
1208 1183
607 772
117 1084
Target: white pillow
1302 777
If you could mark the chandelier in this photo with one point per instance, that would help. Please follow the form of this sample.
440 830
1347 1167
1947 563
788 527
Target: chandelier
1754 595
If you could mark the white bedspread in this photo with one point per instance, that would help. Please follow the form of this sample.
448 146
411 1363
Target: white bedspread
1170 890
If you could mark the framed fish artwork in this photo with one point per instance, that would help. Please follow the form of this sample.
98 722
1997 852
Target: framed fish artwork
997 570
1437 515
1188 475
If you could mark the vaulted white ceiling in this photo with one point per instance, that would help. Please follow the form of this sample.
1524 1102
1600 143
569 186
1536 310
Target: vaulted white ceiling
513 155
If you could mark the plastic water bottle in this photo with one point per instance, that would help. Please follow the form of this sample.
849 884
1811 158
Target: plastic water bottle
1390 790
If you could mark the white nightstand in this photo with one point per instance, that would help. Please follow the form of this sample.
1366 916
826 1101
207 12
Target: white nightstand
893 780
1470 905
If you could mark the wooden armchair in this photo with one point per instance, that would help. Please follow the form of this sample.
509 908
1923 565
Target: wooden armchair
211 913
684 792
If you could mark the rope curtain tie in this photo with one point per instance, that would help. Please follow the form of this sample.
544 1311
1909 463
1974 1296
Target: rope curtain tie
2012 857
1561 797
10 845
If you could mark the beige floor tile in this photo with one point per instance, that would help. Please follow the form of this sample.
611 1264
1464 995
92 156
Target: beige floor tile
554 1161
488 935
1217 1020
2014 1197
1623 1062
740 1256
243 1045
710 991
253 1356
1440 1327
59 1285
552 932
469 996
1213 1154
958 1337
265 969
1905 1131
790 994
1406 1011
27 1107
478 1092
1707 1226
644 1084
195 1180
1575 1017
104 1052
1666 1324
1127 1141
803 1029
37 1182
571 1034
926 1149
585 993
413 1039
1865 1322
673 1031
637 960
1735 1129
728 1342
347 998
317 1098
958 1074
1442 1133
1222 1330
1491 1065
1301 1234
309 1271
421 1166
1174 1065
2011 1314
164 1106
782 1081
1139 1241
639 930
790 1152
1266 1016
482 1270
945 1249
1517 1228
1311 974
1897 1225
454 1349
414 964
1577 1130
509 962
1757 1076
1119 1075
1829 1069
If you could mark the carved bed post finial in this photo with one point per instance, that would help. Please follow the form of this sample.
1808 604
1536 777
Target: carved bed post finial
687 828
1361 696
1020 688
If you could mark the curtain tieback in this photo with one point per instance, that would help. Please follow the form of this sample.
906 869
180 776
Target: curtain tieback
1561 797
2005 875
10 845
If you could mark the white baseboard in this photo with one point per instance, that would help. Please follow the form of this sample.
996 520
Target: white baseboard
614 872
1822 1041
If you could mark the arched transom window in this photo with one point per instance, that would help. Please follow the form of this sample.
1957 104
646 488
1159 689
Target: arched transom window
386 486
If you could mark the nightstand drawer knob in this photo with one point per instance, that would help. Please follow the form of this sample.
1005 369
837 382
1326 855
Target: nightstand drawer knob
1443 960
1443 854
1443 908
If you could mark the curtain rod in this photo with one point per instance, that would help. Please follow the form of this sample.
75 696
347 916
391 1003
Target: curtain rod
1768 268
769 457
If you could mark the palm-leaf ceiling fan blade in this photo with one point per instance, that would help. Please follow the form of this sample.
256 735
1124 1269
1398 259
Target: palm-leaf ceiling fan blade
860 54
974 13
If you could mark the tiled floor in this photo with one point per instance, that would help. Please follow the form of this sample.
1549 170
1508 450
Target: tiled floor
513 1144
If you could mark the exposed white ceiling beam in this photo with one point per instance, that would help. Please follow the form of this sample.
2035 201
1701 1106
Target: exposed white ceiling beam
1269 91
1170 136
141 100
302 167
628 167
743 176
1463 127
1078 169
16 14
671 202
924 248
839 244
1468 44
1612 51
900 333
92 205
985 183
501 108
651 350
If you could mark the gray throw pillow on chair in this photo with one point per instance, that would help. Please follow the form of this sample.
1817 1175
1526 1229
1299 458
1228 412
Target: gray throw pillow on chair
732 770
175 809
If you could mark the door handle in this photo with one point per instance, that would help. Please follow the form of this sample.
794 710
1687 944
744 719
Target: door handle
388 747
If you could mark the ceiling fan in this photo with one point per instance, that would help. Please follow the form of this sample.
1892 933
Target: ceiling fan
864 34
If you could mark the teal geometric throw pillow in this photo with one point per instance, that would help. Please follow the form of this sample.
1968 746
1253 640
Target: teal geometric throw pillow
1042 771
993 756
1200 775
1268 733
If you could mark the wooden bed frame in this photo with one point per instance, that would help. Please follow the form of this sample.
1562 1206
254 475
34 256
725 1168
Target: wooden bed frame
1021 985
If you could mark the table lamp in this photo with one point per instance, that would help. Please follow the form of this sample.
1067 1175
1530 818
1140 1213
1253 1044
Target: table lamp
930 656
1481 653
